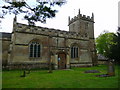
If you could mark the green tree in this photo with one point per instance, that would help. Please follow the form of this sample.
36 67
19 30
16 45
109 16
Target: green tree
104 42
115 49
39 11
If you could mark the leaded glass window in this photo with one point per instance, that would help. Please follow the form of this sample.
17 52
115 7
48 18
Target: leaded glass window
34 49
74 52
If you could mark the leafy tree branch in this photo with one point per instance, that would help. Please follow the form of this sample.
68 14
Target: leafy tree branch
40 12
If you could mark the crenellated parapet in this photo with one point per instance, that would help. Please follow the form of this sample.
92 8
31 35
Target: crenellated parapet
82 17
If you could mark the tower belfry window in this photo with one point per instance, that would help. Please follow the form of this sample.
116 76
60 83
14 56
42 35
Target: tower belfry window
34 49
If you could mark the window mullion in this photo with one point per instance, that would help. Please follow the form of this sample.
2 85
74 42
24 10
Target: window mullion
75 52
33 50
29 50
39 51
36 50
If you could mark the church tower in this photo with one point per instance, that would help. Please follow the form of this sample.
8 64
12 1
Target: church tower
84 26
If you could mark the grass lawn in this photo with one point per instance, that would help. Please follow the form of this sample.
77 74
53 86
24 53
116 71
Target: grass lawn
73 78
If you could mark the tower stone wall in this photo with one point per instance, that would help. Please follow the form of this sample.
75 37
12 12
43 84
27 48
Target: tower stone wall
84 26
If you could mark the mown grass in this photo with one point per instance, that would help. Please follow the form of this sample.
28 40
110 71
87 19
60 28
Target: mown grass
73 78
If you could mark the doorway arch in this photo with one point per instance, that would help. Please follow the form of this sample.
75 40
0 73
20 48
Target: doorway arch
62 60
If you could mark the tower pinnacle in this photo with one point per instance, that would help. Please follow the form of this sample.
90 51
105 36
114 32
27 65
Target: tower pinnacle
15 18
69 19
79 12
92 16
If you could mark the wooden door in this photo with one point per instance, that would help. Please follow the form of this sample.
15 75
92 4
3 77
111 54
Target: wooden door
61 60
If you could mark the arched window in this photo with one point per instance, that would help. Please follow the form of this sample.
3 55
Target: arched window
74 52
34 49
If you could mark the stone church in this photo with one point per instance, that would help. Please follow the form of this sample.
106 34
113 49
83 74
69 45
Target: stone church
37 47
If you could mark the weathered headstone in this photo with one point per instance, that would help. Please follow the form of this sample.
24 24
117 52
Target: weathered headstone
24 74
111 68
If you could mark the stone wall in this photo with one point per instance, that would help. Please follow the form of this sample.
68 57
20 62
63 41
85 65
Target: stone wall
20 50
5 41
52 42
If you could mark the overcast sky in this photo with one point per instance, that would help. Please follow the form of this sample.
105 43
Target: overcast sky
105 15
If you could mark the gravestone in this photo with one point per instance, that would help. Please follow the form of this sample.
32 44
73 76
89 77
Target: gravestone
24 74
111 68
